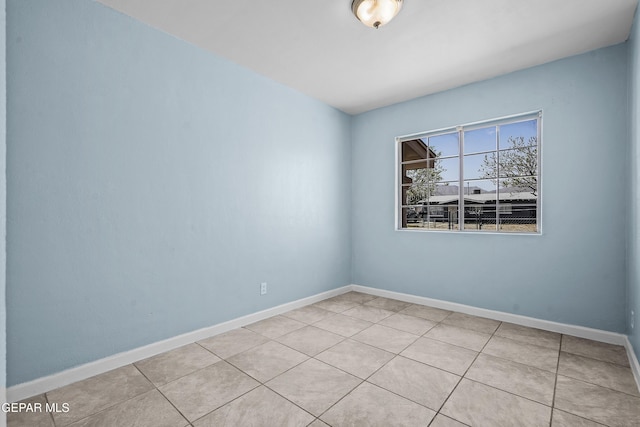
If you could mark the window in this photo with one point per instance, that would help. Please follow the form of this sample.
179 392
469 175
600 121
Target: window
482 177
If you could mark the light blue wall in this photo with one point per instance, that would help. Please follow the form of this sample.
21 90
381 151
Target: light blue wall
152 186
633 296
573 273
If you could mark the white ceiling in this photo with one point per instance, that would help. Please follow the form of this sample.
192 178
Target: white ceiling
319 48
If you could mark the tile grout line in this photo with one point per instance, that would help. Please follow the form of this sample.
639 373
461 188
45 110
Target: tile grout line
597 360
466 371
288 400
396 355
341 399
374 372
328 364
174 406
308 355
438 411
555 383
589 382
110 406
181 376
507 392
635 396
287 370
162 394
583 418
520 363
53 420
553 402
205 367
323 362
224 404
426 364
262 384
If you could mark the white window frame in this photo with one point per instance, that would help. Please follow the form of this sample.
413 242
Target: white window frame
460 129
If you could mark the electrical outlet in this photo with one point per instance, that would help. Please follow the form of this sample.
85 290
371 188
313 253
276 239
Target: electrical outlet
633 320
263 288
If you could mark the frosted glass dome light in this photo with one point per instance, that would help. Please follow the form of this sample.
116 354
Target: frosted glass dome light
375 13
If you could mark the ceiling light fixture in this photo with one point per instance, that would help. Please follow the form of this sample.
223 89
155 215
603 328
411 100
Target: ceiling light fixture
374 13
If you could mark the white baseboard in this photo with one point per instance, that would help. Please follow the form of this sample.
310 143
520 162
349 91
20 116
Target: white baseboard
563 328
51 382
68 376
633 361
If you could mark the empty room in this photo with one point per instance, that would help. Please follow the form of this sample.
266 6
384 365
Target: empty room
335 213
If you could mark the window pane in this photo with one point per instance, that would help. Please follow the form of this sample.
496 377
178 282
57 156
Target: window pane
517 163
479 190
479 166
480 205
414 218
444 145
518 209
480 140
432 217
478 217
415 194
447 169
414 171
412 196
443 207
519 134
417 182
446 189
415 149
444 216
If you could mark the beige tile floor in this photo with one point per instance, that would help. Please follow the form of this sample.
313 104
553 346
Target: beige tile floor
360 360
